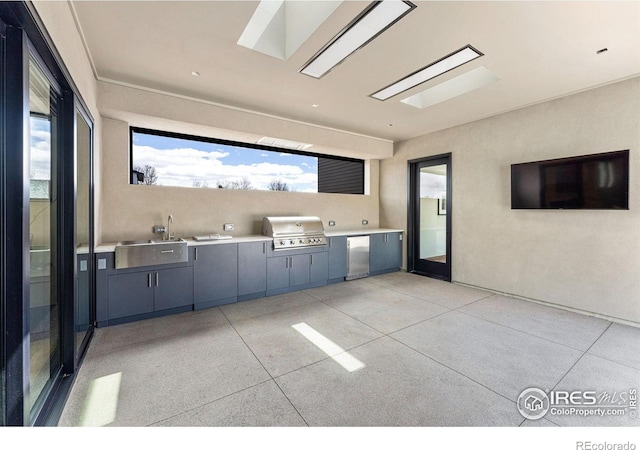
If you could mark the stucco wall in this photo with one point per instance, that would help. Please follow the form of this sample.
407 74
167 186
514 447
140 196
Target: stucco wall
586 260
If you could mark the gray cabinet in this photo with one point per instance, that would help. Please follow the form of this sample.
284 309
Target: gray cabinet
172 288
277 272
252 270
337 257
385 252
318 267
297 270
130 294
215 275
222 273
144 292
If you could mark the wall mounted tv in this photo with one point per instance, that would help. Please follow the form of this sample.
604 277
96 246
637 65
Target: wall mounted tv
599 181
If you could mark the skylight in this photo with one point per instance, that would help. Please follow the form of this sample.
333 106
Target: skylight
467 82
449 62
279 27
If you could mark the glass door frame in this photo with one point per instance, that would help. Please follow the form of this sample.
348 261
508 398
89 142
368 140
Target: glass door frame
416 265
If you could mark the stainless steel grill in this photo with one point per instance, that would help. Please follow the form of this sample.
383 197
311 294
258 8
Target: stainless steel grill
294 232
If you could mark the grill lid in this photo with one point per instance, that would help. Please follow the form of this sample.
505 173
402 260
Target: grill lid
294 231
292 226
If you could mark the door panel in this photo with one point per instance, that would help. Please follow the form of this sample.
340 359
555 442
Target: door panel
44 305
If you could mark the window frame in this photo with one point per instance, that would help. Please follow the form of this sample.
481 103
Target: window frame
247 145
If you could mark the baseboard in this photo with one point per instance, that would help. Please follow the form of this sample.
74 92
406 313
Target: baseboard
554 305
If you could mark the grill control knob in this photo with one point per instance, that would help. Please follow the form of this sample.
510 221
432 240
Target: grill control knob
281 242
291 242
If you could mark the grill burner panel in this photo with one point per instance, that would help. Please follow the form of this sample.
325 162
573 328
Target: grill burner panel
294 232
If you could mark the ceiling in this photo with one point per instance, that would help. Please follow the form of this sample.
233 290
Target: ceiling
538 50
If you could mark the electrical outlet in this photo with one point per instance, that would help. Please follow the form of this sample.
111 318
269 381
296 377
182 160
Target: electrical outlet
159 229
228 227
365 222
332 223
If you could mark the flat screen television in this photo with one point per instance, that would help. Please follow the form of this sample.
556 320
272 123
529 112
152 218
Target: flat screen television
599 181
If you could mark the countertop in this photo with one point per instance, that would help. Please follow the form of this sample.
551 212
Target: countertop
111 246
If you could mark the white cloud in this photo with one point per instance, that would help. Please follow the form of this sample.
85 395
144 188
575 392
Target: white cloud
183 166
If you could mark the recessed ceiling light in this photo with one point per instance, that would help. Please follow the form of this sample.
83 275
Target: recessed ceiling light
443 65
369 24
462 84
315 105
195 74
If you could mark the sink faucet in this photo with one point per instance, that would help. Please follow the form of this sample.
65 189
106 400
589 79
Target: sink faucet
169 235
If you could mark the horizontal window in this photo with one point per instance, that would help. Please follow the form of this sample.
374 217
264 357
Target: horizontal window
170 159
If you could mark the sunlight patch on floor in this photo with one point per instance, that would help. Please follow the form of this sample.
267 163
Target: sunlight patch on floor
332 349
102 401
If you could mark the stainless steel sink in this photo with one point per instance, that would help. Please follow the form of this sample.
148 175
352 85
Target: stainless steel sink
150 253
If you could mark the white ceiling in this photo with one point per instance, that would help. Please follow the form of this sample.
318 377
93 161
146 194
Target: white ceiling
539 50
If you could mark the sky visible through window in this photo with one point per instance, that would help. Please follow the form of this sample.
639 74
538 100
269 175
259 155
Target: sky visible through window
40 152
190 163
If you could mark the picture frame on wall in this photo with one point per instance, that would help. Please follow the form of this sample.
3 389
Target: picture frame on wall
442 206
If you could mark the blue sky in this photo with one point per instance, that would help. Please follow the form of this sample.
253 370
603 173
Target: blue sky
180 162
40 154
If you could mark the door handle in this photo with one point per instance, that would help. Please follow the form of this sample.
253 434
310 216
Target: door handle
196 254
149 279
166 251
157 278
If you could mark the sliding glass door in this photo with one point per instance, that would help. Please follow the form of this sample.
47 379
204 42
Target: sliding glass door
46 237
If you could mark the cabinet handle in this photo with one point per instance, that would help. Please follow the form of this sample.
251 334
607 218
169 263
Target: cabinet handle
330 242
149 279
311 259
196 254
166 251
290 262
264 247
286 262
157 278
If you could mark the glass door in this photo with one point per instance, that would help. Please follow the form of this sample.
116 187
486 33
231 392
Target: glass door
44 304
430 217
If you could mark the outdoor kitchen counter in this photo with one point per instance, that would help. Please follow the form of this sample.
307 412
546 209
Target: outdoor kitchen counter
111 246
360 231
